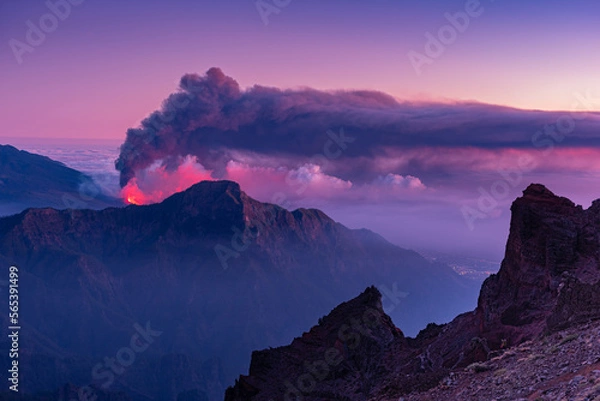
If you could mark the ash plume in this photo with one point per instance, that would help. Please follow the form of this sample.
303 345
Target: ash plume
213 120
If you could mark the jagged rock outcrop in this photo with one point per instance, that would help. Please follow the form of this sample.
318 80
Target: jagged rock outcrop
342 351
549 280
552 260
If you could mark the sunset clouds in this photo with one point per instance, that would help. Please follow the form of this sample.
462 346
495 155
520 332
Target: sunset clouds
322 106
342 145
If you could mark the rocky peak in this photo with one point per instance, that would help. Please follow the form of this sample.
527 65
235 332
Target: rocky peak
539 192
341 351
209 193
220 199
550 239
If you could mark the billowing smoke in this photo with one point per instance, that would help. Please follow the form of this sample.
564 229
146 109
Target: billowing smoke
211 128
155 183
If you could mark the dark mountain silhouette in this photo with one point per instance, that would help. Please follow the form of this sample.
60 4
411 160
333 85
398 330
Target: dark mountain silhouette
215 272
30 180
548 281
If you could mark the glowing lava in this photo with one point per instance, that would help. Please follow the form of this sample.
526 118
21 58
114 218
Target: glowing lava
131 200
155 183
132 194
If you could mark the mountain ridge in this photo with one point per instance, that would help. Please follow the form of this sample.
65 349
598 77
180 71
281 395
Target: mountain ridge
159 263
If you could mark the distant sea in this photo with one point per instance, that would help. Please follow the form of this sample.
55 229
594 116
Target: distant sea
94 157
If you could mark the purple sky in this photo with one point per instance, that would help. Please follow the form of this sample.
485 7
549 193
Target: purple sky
107 65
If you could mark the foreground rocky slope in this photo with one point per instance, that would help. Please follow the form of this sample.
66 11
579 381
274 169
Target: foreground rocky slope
549 281
564 365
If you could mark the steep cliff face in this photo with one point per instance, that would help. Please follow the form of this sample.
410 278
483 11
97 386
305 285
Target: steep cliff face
549 280
552 260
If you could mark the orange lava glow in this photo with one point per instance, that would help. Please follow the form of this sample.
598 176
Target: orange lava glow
155 184
132 201
133 195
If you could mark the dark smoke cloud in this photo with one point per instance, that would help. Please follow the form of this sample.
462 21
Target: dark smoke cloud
211 117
